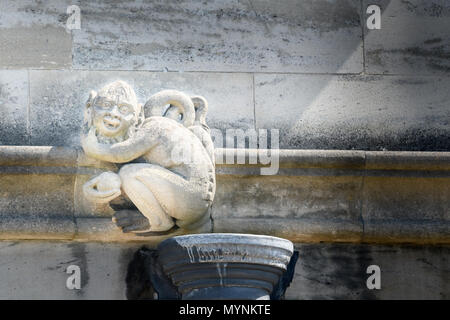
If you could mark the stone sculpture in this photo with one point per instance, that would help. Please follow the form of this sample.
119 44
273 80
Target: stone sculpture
171 180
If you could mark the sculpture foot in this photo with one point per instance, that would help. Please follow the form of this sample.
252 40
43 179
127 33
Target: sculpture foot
134 221
131 221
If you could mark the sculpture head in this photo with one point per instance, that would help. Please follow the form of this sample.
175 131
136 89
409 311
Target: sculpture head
113 111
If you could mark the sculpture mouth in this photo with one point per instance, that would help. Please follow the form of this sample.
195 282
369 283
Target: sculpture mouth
111 123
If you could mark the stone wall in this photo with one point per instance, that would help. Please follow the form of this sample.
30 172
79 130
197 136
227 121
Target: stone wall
311 69
323 271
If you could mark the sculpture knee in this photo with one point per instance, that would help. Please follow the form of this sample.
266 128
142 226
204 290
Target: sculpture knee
129 171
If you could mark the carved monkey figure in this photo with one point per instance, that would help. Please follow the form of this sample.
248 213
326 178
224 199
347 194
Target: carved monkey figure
175 184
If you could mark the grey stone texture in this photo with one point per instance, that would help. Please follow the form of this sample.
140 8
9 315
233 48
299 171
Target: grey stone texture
339 196
292 36
306 36
24 194
338 271
37 270
355 112
248 58
14 107
299 207
413 38
422 208
312 111
33 35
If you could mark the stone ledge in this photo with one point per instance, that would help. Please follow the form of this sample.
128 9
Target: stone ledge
345 159
380 160
317 195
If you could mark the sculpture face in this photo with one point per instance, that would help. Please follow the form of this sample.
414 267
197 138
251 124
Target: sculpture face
113 116
115 110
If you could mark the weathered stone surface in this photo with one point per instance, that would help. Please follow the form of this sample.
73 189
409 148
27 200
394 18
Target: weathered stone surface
37 270
36 227
392 160
37 156
56 110
338 271
317 195
103 229
355 112
34 195
33 35
413 38
299 208
305 36
14 107
422 209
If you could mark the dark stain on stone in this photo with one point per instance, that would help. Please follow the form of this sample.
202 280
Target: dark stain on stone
431 8
437 66
320 15
357 78
345 138
434 10
438 52
146 280
341 266
409 81
410 6
13 244
437 58
433 41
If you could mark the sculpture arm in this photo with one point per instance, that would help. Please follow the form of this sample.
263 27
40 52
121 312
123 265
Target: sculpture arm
121 152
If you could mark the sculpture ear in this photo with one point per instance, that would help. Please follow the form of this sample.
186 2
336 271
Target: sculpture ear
201 108
88 110
141 115
91 98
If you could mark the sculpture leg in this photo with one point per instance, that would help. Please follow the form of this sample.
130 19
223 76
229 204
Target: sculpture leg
161 194
144 199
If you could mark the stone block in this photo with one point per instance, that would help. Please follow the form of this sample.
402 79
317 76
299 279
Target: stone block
338 271
36 196
413 38
14 107
408 208
299 208
355 112
37 270
58 99
292 36
33 35
36 227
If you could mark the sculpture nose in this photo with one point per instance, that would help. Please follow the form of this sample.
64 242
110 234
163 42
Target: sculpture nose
115 111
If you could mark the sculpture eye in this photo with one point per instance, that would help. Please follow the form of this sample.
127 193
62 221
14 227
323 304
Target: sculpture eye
124 109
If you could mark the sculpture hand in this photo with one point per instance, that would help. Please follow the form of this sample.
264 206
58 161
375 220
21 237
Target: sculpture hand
103 188
89 141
